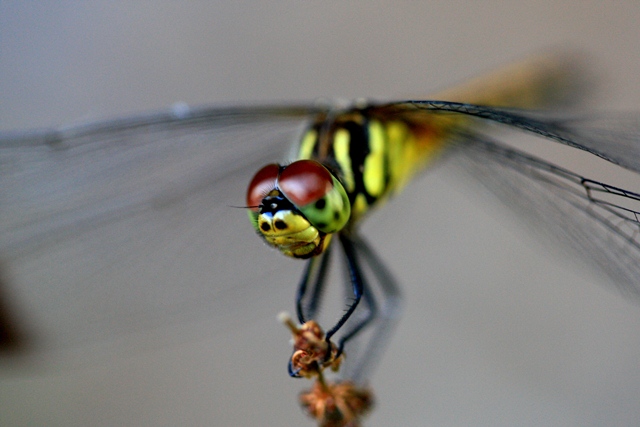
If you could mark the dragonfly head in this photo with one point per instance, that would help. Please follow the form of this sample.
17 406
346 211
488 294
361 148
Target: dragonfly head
297 207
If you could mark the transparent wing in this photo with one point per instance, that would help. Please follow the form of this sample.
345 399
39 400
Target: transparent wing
615 138
98 172
121 226
600 221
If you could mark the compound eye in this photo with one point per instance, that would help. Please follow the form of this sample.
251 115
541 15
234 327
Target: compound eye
262 183
304 182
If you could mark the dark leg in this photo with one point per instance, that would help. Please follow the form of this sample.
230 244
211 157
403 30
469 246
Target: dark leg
318 287
356 250
315 271
386 317
308 311
357 283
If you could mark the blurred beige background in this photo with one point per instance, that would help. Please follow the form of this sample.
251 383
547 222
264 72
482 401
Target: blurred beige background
499 330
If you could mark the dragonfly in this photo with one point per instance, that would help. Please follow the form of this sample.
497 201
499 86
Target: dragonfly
114 215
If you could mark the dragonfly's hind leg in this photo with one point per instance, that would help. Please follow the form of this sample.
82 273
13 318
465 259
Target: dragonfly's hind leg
359 255
384 318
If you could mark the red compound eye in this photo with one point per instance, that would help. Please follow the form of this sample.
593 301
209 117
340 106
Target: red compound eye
262 182
304 182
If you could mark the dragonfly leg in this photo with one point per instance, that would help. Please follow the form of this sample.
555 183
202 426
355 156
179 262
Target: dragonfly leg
387 315
358 285
383 318
358 254
308 311
316 272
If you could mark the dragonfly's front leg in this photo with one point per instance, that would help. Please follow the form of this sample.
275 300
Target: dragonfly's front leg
356 251
316 273
318 267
